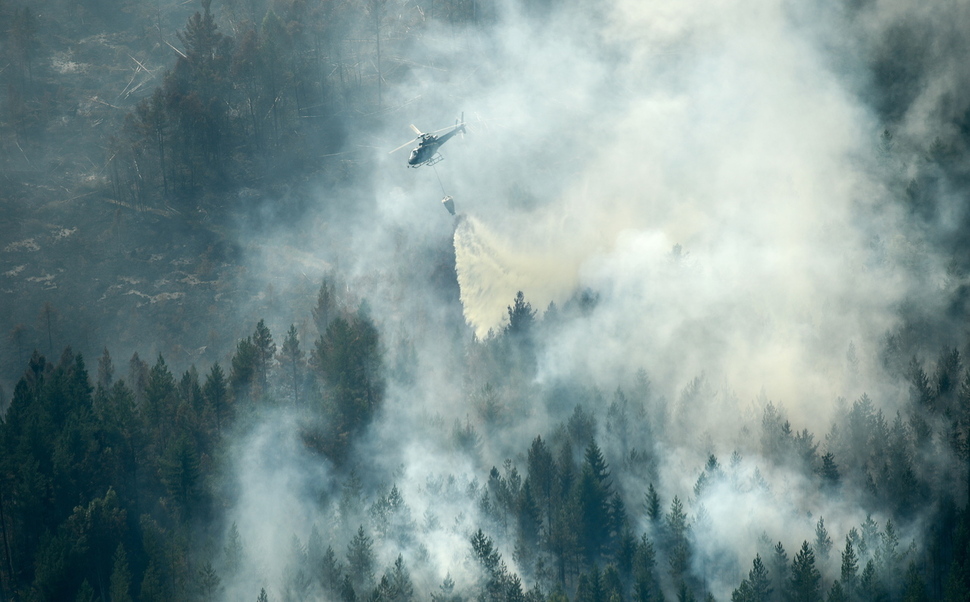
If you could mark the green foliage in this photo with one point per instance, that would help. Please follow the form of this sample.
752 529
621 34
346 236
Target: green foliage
349 362
180 472
233 551
921 390
327 307
829 470
151 585
446 591
291 357
105 493
542 473
216 393
850 568
914 588
161 402
521 317
779 570
85 593
652 505
245 370
265 353
823 543
805 581
590 587
360 561
837 593
593 492
759 581
398 583
120 577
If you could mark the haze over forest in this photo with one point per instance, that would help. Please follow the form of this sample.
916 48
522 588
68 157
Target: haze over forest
697 331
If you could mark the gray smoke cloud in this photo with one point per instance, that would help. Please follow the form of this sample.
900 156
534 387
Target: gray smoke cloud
710 126
713 171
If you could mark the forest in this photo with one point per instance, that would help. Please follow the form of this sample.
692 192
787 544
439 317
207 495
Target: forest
697 333
120 487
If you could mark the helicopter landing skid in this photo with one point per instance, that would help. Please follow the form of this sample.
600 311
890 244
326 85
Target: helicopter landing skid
434 160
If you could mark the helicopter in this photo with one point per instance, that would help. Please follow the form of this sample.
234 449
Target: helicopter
426 152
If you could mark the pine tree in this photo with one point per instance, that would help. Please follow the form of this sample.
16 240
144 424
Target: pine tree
837 593
233 551
160 401
152 589
947 373
349 361
887 554
760 581
684 593
446 591
922 392
216 393
529 516
829 471
521 316
868 539
191 412
265 354
617 518
207 582
645 585
542 474
589 588
106 370
347 592
497 583
805 580
743 592
326 309
914 589
676 520
678 554
120 577
291 356
330 572
181 473
485 552
823 543
85 593
779 570
401 588
196 94
870 586
850 569
652 505
593 514
360 561
244 376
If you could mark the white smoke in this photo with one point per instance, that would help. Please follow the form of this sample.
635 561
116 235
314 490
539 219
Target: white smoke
729 133
712 172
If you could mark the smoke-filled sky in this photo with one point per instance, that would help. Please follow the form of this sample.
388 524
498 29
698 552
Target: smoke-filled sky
605 136
713 172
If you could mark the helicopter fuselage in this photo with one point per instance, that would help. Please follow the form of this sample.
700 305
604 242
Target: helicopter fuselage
426 150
